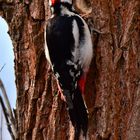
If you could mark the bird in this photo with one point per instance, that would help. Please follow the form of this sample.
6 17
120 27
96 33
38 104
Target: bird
69 50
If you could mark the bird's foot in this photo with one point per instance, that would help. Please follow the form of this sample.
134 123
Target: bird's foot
61 92
63 98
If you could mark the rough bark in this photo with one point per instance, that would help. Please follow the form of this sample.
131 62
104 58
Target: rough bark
113 85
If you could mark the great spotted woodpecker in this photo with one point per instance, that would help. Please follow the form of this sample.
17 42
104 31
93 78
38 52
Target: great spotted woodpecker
68 48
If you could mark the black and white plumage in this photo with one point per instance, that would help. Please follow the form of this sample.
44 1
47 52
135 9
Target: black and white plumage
68 48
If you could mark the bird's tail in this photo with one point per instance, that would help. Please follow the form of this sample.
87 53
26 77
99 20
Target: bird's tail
78 114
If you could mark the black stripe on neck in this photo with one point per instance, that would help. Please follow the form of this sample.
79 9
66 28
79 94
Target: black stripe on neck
57 7
67 5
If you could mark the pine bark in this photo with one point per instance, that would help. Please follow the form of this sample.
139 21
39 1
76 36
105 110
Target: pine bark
113 85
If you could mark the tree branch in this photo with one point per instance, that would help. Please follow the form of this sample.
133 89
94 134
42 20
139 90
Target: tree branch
8 110
6 118
2 67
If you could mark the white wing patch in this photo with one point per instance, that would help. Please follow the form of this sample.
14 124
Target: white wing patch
75 31
86 50
69 62
83 50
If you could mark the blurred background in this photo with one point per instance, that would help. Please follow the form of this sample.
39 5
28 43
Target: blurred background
7 74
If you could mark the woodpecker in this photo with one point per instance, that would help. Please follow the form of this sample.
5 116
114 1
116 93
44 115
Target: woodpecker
68 48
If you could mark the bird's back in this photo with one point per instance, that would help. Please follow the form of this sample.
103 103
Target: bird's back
59 38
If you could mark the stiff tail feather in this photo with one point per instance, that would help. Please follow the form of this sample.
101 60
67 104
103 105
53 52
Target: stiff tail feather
78 115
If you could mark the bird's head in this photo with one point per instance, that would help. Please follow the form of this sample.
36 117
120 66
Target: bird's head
52 3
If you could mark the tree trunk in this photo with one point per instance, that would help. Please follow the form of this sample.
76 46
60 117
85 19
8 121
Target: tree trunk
113 85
